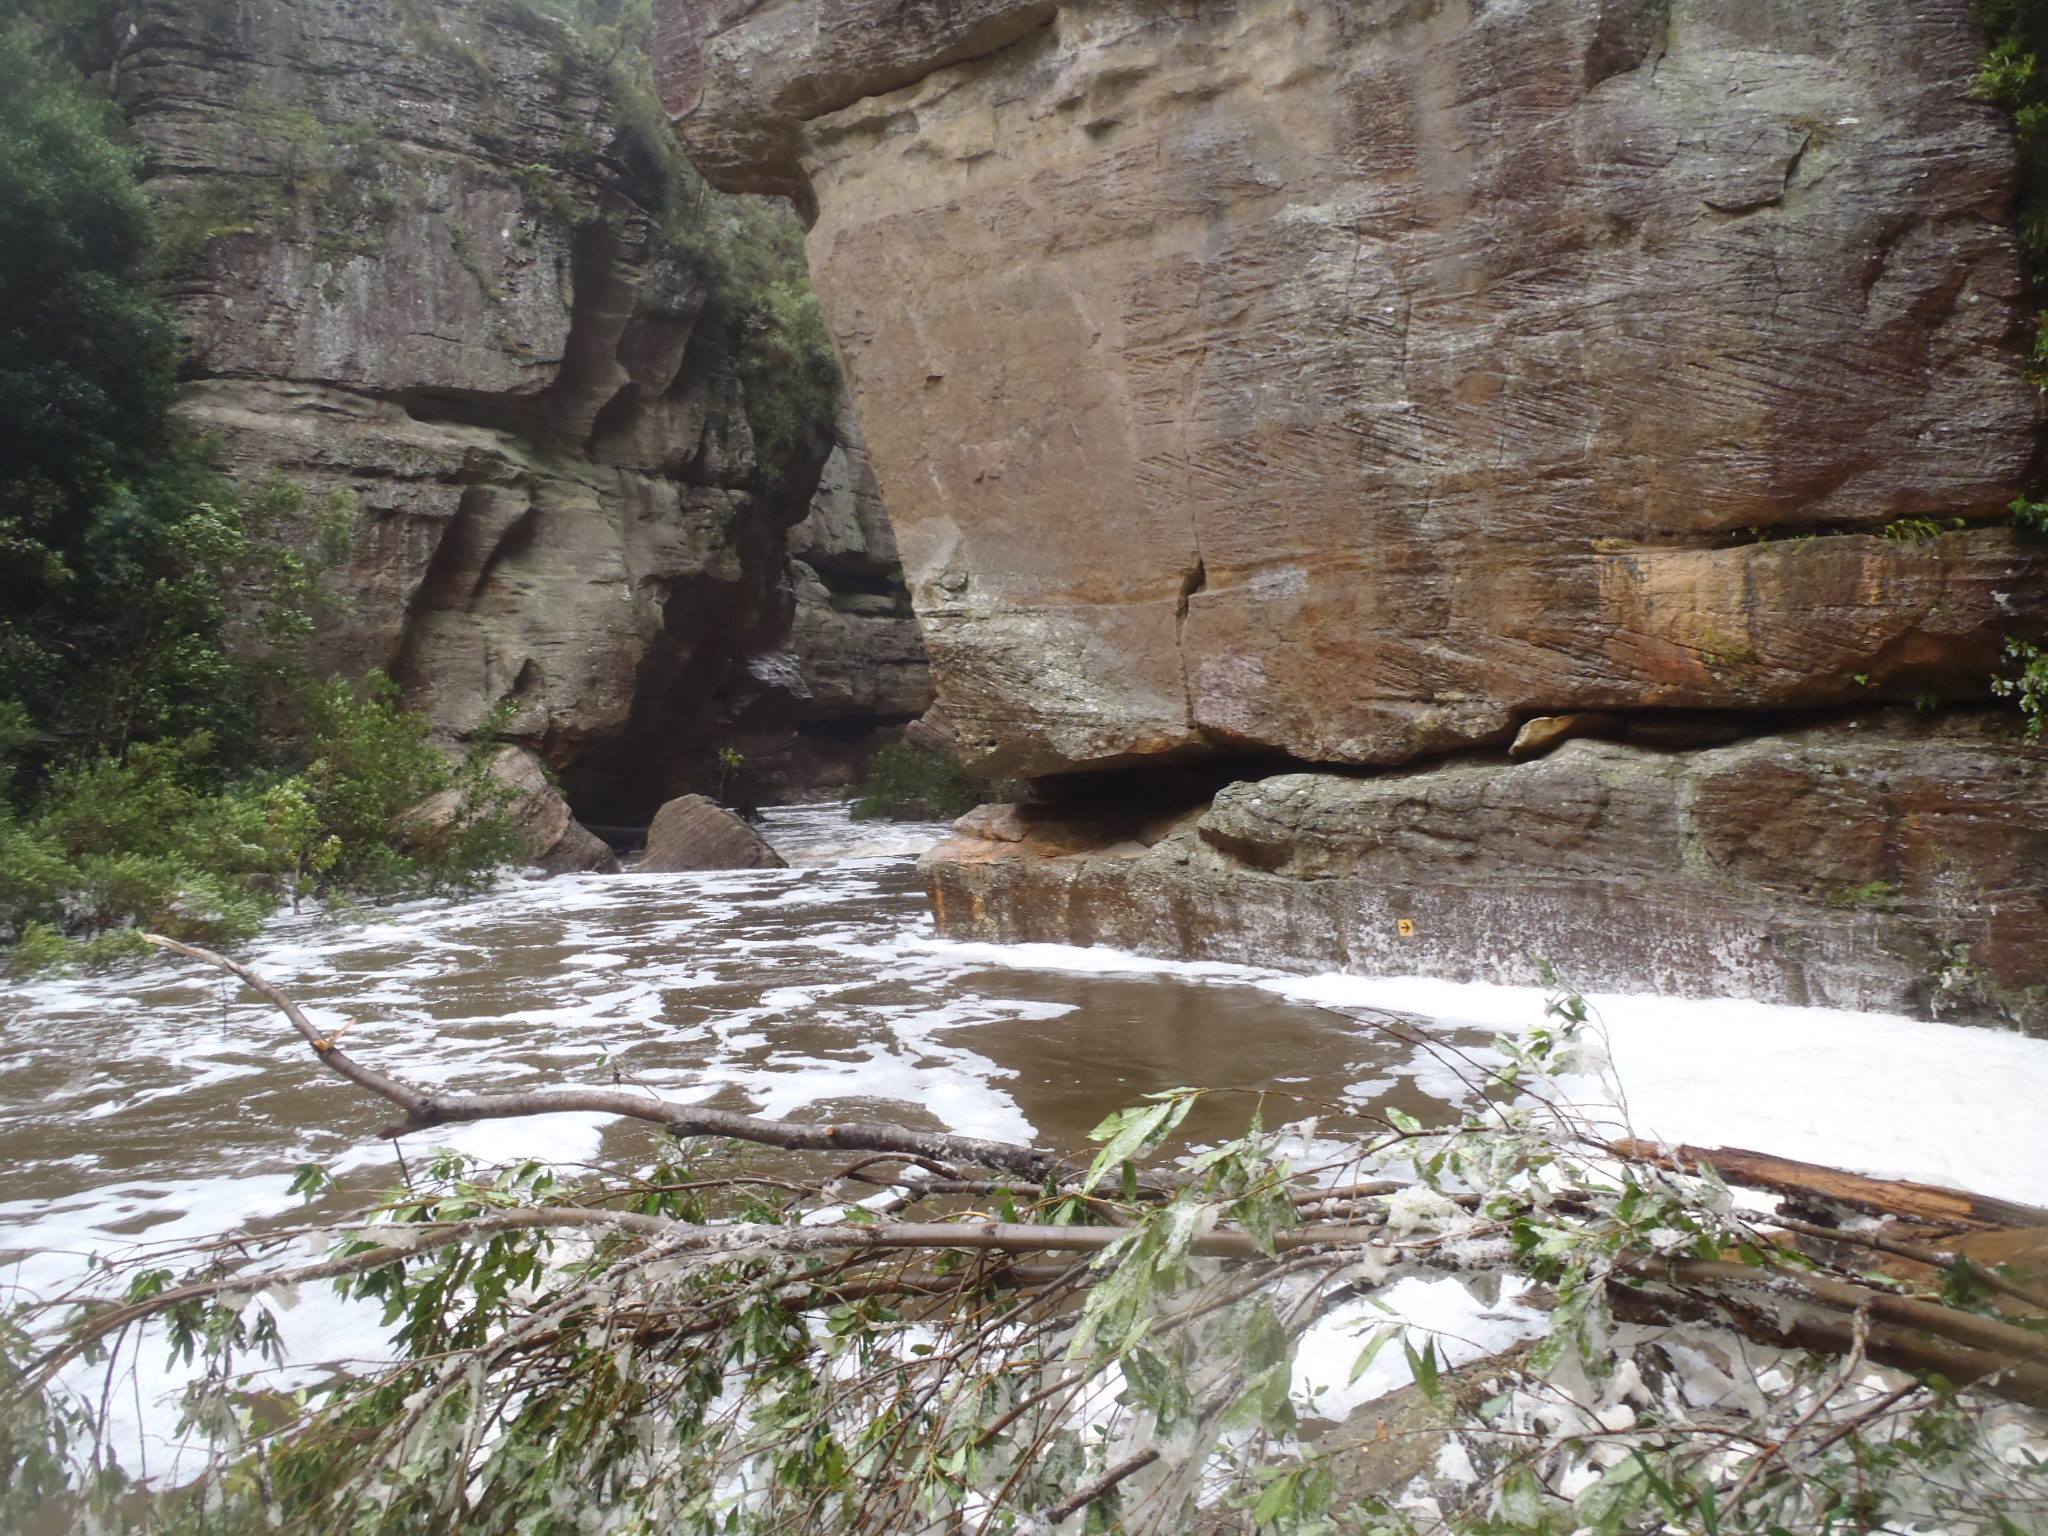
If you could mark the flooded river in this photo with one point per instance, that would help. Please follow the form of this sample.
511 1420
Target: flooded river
167 1103
164 1104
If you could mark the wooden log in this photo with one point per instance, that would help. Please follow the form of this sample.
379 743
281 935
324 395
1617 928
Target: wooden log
1816 1184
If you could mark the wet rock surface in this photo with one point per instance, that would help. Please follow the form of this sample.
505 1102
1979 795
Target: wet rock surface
1886 863
694 832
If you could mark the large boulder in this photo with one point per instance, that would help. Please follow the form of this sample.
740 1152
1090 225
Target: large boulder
551 836
695 832
1357 382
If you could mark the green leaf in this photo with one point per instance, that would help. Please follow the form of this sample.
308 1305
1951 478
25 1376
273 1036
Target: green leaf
1422 1364
1128 1131
310 1181
1381 1338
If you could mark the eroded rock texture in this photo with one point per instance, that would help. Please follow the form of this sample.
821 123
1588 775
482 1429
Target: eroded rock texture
417 260
1356 382
1890 863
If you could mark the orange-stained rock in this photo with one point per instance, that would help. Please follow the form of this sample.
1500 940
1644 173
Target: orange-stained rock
1361 382
1890 862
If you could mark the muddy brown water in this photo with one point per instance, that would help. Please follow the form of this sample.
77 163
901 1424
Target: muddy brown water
146 1110
148 1104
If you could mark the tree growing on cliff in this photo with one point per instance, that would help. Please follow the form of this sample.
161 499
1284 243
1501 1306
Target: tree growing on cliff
153 614
947 1334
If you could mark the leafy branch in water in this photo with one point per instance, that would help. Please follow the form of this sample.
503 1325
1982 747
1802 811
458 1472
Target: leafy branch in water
947 1334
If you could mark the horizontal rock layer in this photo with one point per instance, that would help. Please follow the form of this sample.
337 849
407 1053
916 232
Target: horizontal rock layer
1890 863
1357 382
415 247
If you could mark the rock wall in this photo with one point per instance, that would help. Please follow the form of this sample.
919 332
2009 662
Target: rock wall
1882 862
849 658
1356 381
418 249
1353 384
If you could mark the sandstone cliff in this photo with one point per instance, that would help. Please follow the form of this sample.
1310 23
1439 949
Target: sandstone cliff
1351 384
1356 382
433 274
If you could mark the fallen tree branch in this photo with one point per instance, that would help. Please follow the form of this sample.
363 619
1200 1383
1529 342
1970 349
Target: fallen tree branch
1927 1203
1767 1302
424 1110
1932 1258
1816 1314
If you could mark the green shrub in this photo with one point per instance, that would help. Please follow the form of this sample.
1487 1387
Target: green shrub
2015 78
372 760
906 783
155 840
2026 684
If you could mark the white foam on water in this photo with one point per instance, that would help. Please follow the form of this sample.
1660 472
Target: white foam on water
1080 960
816 989
1875 1093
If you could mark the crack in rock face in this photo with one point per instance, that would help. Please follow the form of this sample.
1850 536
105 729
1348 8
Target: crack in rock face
1490 363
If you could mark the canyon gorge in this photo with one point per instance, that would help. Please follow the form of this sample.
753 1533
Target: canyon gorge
435 277
1284 410
884 765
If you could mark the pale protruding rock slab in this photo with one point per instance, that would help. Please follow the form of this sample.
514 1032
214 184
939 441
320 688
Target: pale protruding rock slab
932 731
551 836
695 832
1893 863
1548 732
1360 382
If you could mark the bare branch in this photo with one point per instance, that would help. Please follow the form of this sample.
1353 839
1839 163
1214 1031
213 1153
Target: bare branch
424 1110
